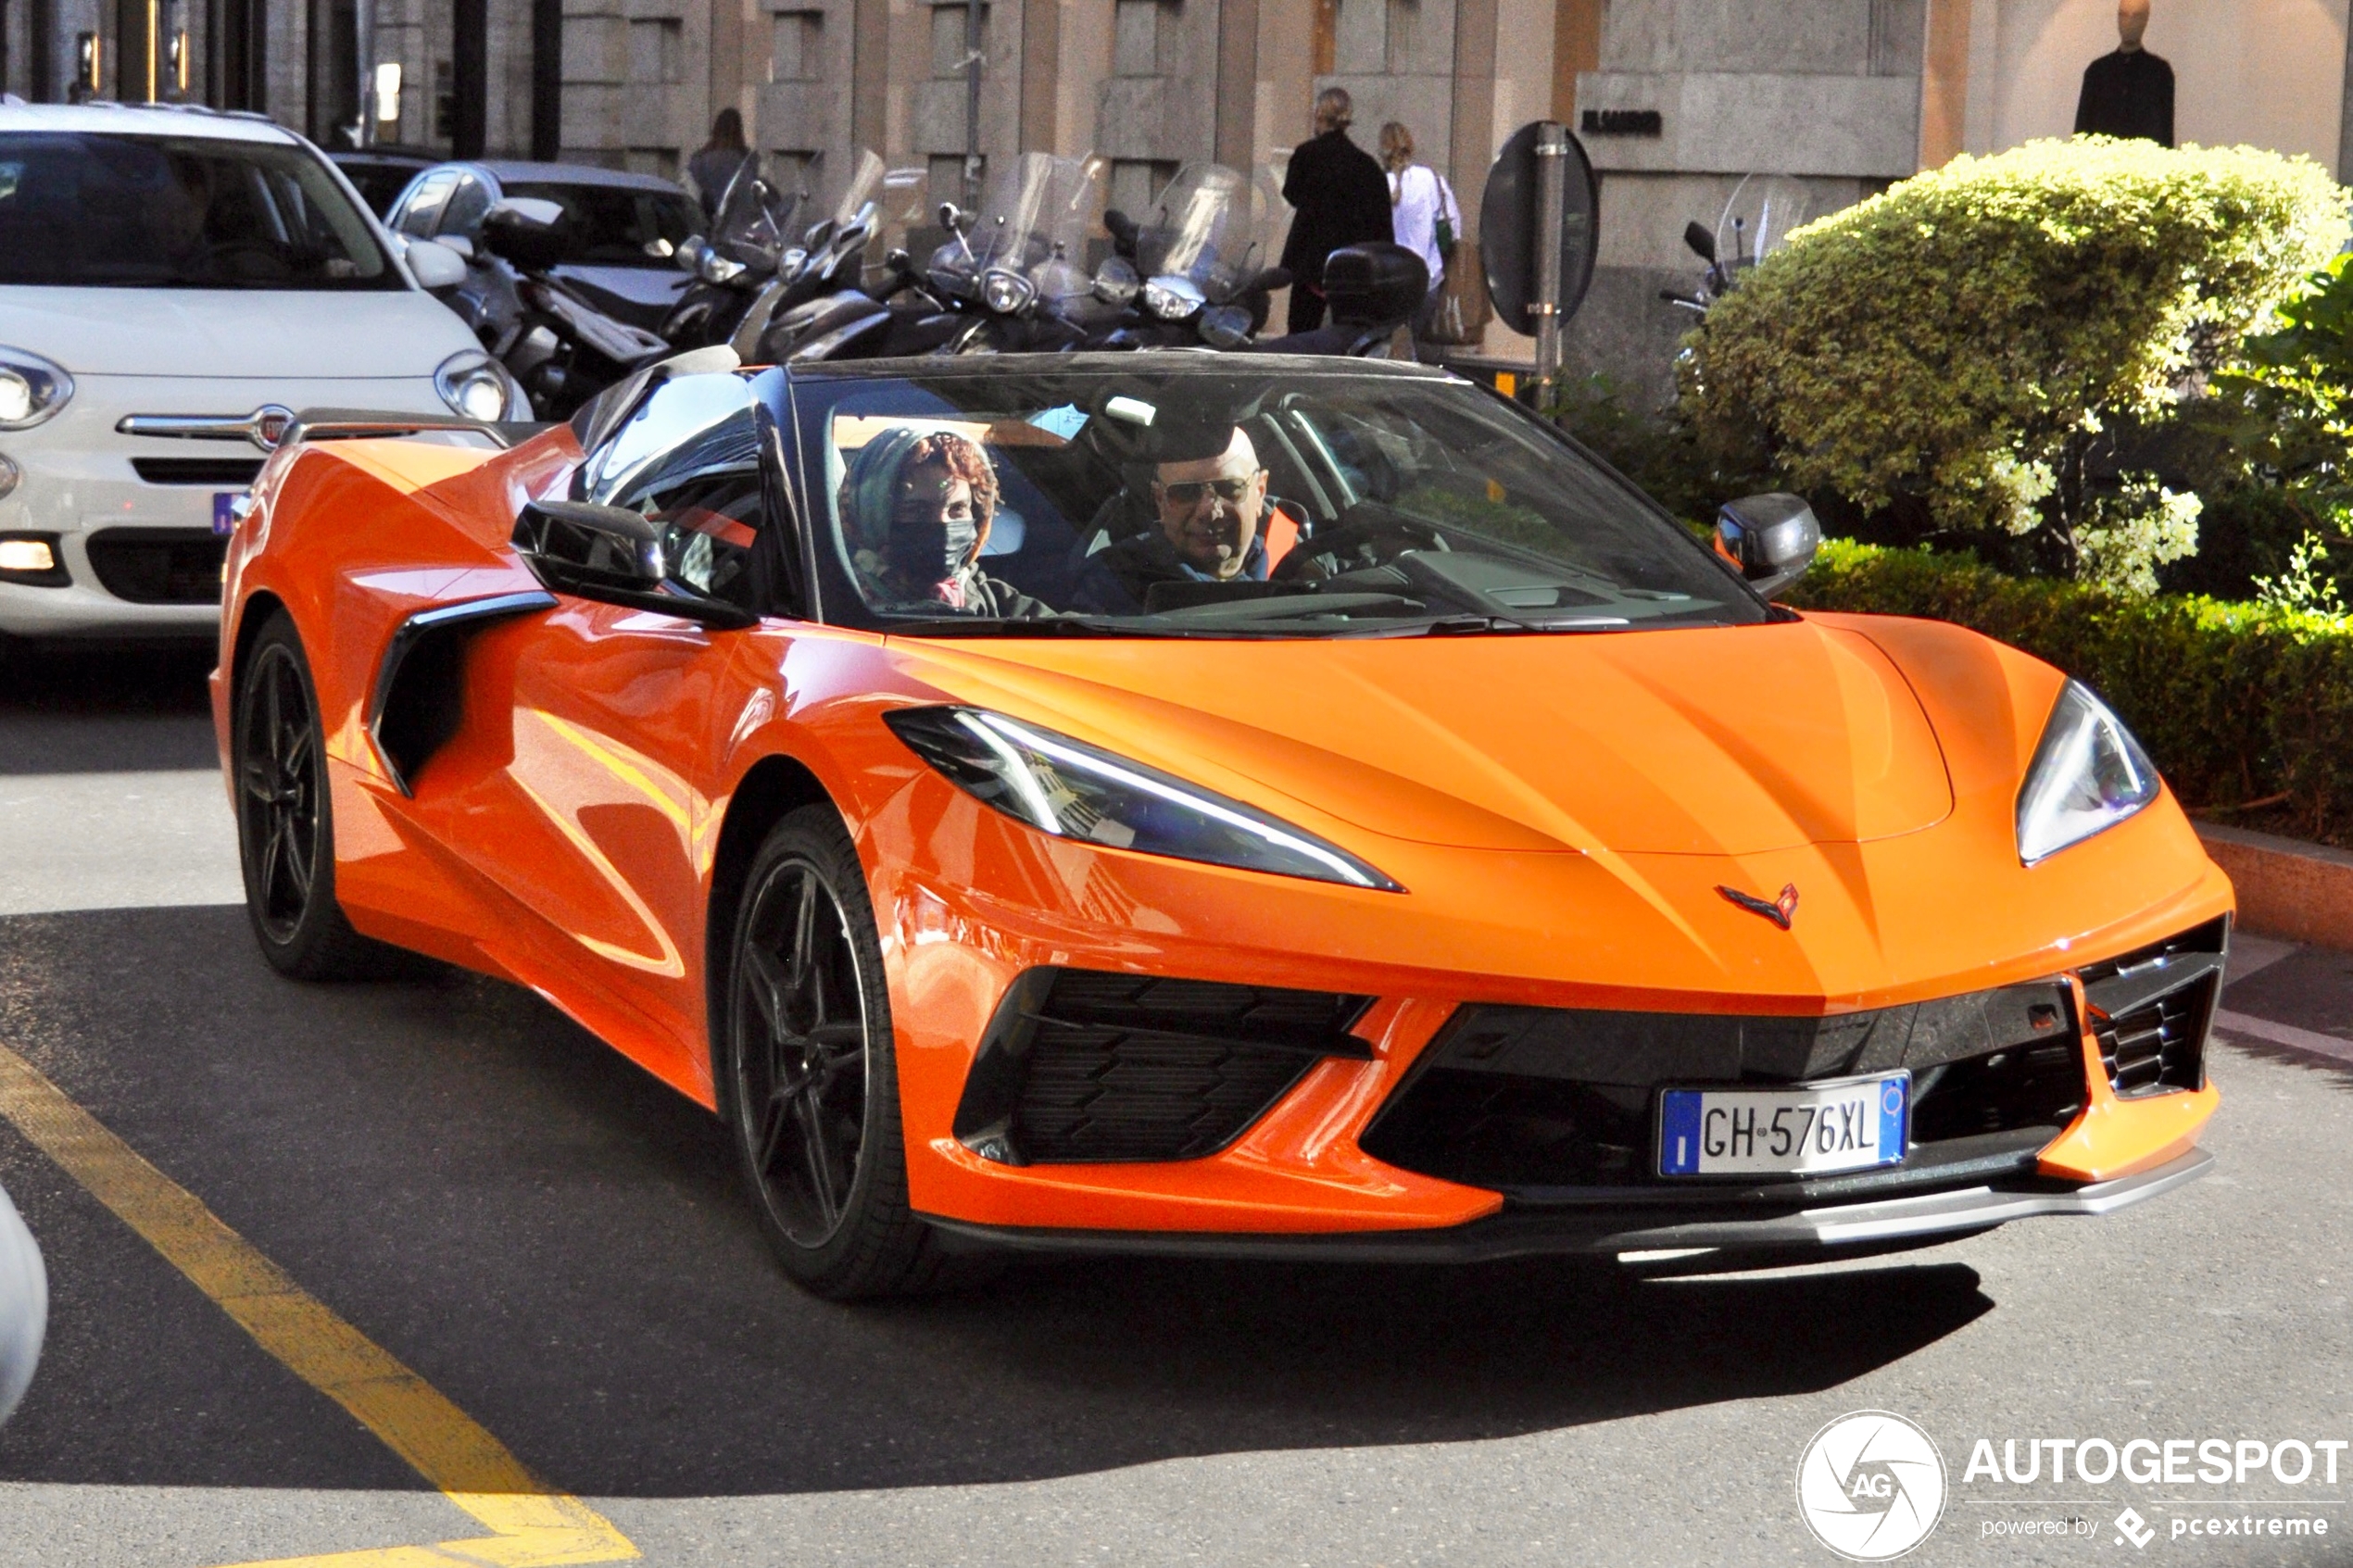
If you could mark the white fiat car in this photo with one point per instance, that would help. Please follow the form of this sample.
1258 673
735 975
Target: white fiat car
175 285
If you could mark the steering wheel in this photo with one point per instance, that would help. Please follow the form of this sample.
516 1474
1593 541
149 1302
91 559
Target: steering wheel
1363 541
217 259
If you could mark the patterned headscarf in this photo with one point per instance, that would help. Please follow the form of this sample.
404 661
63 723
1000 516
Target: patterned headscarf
869 492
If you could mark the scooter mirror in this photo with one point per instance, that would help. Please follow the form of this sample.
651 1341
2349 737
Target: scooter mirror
1702 242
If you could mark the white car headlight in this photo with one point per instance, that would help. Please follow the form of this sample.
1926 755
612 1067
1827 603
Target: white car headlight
2088 774
31 389
477 387
1072 790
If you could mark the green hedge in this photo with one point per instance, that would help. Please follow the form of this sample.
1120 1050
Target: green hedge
2237 703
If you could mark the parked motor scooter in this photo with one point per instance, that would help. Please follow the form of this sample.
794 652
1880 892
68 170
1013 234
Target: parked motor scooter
1757 219
1003 283
740 259
1372 289
559 346
761 275
1185 266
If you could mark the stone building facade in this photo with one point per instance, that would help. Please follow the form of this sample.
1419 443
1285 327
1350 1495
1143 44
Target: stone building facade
1677 99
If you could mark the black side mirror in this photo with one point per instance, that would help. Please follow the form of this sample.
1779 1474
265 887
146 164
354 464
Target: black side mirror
613 556
1771 538
1702 242
1122 229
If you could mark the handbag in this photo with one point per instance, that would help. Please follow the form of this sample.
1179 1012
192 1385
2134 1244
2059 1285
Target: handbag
1445 225
1463 310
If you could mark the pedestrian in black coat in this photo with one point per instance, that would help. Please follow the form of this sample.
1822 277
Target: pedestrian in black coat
1340 198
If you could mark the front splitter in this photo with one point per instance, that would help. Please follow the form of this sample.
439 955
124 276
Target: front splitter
1817 1233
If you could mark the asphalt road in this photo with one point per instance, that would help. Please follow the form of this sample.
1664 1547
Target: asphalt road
556 1243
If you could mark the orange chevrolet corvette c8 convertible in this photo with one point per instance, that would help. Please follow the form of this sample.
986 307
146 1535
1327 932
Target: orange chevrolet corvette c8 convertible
1213 804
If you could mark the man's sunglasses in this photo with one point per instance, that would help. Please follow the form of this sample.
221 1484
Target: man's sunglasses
1188 492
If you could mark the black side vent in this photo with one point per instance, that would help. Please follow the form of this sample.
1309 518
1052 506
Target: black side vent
159 566
2151 1010
419 694
226 473
1084 1066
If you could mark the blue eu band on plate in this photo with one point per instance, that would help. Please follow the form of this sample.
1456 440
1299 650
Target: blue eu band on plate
1805 1129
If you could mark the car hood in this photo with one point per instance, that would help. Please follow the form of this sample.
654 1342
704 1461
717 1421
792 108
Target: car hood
233 333
1734 740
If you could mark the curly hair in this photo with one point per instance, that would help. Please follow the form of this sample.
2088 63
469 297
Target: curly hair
963 458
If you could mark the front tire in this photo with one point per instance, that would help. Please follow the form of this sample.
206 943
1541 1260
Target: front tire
285 820
809 1078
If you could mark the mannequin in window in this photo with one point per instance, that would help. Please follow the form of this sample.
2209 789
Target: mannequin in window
2129 93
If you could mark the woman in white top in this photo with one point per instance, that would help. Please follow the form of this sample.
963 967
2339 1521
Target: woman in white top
1425 215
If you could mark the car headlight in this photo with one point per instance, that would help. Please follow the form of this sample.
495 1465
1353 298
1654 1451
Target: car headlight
1072 790
1007 293
2088 774
31 389
477 387
1173 299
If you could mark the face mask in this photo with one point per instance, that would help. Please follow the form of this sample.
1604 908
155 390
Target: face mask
930 550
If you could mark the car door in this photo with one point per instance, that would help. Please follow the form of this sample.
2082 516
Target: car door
619 714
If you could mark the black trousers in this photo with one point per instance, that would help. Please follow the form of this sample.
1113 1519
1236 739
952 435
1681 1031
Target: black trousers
1306 308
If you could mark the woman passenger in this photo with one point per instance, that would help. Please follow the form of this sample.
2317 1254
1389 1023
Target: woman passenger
916 507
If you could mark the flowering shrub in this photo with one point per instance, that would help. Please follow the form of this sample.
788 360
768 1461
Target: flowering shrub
1953 352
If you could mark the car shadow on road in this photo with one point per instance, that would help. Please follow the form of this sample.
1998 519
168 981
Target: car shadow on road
104 708
556 1242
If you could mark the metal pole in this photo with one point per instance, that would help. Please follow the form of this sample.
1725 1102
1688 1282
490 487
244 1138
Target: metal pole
1551 174
972 105
363 27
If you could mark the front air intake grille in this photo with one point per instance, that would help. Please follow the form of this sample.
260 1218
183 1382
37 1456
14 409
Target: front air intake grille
2159 1046
159 566
2151 1009
1553 1097
1090 1066
226 473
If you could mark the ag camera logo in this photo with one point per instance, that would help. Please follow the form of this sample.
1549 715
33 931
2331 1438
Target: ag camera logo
1871 1485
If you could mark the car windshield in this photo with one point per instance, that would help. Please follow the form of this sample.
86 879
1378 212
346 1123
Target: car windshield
106 211
1279 501
378 180
617 225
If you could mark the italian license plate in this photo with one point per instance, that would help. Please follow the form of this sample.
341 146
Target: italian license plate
224 512
1807 1129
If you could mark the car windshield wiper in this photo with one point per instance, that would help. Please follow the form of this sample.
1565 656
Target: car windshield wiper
1038 626
1478 625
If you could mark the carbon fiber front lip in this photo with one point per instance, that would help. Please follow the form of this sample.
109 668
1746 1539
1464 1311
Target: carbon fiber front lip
1834 1230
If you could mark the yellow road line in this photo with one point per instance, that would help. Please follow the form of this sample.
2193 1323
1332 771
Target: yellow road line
532 1522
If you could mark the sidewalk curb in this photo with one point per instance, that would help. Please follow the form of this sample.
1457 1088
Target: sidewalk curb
2286 887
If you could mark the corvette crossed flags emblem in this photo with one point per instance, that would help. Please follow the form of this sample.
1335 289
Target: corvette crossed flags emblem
1781 910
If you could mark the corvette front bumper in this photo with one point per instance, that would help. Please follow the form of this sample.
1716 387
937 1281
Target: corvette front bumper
1815 1235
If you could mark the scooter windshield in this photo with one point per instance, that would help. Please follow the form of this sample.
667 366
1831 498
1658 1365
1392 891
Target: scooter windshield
846 186
1039 206
756 211
1203 228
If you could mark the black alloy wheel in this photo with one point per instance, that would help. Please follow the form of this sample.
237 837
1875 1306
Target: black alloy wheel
808 1081
285 821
